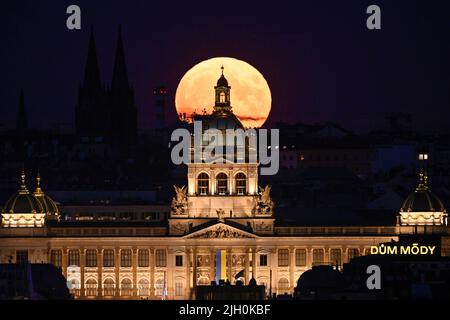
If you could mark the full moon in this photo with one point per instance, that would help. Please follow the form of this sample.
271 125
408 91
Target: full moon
250 95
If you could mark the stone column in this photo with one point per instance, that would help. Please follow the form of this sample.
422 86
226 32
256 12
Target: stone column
247 266
82 264
230 182
187 294
212 273
194 271
64 261
326 258
117 271
344 255
230 264
292 268
274 268
254 263
99 271
212 183
134 263
152 273
170 266
309 257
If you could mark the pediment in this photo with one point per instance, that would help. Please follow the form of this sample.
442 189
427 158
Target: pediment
220 230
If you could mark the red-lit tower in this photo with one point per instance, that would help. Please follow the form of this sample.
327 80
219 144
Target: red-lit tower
160 107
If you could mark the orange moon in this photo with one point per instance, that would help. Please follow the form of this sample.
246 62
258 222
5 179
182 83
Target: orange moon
250 95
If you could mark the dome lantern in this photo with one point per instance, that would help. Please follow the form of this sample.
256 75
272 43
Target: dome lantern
222 94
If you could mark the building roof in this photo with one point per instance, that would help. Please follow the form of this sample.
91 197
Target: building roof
23 201
422 199
47 203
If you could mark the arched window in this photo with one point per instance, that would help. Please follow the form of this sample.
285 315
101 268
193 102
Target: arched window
283 286
179 288
91 287
222 183
203 184
159 287
241 184
126 287
144 287
108 287
75 287
222 97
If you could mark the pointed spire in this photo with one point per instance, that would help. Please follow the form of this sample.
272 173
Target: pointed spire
222 68
38 191
22 123
92 71
120 75
23 187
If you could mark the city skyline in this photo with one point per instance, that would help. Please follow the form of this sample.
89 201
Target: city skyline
325 65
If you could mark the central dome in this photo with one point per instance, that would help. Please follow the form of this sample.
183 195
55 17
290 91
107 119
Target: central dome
23 202
422 207
422 199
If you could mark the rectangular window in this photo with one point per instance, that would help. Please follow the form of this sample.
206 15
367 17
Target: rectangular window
179 289
263 260
108 258
336 257
178 261
74 258
91 258
283 257
125 258
300 257
21 256
161 258
56 258
317 257
352 253
143 258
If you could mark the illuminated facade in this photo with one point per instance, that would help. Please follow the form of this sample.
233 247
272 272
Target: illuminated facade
222 209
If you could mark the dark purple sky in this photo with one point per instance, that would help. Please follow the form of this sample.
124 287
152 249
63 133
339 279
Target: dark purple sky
320 61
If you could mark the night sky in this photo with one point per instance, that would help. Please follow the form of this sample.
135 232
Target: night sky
319 59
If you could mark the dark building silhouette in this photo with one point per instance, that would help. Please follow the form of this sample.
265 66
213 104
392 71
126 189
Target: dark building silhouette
106 115
160 107
25 281
92 113
121 100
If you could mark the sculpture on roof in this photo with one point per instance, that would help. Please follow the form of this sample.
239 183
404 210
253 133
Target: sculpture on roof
263 202
179 202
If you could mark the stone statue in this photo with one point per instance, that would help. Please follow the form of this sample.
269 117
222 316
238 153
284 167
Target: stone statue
265 193
179 203
221 214
263 201
181 193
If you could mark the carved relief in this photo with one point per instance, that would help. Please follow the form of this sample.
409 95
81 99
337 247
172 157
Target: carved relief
221 232
263 227
178 227
238 260
203 261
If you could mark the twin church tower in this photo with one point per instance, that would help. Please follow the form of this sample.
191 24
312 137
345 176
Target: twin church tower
106 114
